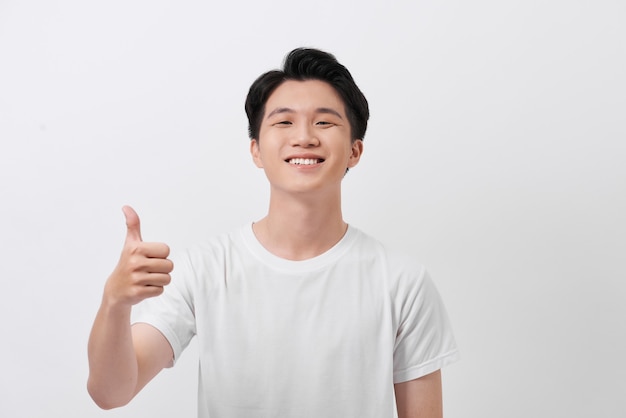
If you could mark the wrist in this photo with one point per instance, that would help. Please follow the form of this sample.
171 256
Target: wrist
111 306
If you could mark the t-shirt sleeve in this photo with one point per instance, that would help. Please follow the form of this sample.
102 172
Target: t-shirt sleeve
424 340
172 313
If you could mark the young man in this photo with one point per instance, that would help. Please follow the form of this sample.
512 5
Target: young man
298 314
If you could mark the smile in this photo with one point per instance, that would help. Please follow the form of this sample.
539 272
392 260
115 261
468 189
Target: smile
305 161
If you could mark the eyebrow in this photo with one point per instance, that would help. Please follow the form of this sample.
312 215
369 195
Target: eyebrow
327 110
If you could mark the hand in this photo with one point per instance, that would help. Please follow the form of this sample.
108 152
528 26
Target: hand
143 268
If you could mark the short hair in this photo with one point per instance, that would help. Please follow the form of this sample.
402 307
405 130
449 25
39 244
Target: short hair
303 64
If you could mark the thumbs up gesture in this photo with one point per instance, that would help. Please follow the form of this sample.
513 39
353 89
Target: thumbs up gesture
143 268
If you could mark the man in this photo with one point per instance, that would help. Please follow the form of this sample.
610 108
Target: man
298 314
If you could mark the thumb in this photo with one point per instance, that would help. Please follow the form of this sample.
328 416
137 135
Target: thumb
133 229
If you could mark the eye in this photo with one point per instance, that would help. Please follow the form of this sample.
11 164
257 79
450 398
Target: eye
283 123
324 123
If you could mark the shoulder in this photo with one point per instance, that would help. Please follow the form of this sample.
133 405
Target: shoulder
212 247
404 274
399 265
208 257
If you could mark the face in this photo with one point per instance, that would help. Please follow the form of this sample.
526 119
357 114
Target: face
304 143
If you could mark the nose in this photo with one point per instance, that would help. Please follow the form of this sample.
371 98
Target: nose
304 137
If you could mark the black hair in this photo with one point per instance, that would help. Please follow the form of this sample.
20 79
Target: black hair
309 64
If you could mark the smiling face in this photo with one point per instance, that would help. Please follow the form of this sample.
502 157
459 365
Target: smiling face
304 142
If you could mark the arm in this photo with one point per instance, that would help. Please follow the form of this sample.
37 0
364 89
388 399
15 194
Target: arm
420 397
123 359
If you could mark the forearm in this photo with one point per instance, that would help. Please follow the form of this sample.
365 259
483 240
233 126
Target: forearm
420 398
122 361
113 370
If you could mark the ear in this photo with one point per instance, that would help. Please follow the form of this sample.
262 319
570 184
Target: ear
256 152
357 151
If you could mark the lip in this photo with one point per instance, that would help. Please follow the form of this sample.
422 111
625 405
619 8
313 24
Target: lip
319 159
305 156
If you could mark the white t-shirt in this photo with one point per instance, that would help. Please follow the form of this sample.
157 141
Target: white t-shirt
324 337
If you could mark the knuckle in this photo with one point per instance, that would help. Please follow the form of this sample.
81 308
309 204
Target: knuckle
167 279
132 263
135 294
135 278
132 248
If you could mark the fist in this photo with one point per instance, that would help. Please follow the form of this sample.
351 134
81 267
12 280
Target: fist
143 269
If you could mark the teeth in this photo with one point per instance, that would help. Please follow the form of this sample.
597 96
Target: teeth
304 161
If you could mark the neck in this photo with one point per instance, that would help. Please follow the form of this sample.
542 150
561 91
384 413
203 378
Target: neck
299 228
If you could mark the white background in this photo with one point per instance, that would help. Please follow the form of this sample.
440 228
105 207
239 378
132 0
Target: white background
496 154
